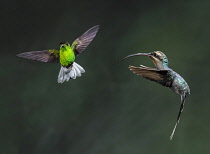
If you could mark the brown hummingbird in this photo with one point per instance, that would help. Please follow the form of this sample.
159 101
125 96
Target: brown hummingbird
163 75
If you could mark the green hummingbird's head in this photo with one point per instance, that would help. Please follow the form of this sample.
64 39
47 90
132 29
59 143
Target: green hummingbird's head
64 45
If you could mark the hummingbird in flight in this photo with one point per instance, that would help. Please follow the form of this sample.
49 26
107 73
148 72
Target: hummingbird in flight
163 75
66 55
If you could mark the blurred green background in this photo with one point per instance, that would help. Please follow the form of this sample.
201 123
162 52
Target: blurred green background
108 110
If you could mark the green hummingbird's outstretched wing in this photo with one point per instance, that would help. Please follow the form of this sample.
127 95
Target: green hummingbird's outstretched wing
153 74
48 56
83 41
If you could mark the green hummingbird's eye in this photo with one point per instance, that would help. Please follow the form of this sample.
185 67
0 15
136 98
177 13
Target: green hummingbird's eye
62 45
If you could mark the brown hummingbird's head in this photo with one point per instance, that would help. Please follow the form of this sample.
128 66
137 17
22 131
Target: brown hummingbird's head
159 58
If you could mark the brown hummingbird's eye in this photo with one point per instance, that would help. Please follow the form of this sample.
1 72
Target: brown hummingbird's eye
154 54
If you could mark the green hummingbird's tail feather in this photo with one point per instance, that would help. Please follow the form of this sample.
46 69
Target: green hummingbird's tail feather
75 70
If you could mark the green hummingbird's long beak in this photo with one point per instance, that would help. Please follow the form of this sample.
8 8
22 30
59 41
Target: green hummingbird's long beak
137 54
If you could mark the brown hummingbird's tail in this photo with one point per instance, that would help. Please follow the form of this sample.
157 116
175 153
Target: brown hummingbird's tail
75 70
178 118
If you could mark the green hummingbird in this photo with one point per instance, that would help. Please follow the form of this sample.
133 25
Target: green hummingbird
163 75
66 55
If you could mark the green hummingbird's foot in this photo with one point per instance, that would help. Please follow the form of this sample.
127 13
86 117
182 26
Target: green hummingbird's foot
75 70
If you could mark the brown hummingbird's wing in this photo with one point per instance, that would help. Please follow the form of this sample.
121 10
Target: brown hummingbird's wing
151 73
83 41
48 56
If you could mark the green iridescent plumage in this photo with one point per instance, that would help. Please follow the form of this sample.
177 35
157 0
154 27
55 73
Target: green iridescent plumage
66 55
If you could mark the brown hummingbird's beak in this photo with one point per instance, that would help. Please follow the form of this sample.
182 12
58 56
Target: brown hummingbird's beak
137 54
